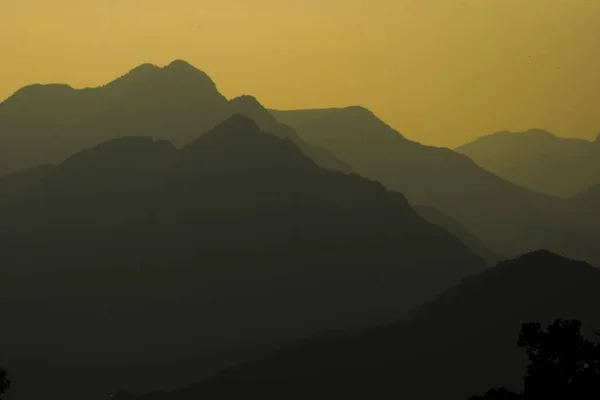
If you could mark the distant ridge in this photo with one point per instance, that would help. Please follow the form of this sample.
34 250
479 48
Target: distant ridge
538 160
177 68
43 124
509 218
522 145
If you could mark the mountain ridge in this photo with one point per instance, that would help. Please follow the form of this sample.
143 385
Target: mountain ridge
238 231
452 183
459 344
43 124
545 162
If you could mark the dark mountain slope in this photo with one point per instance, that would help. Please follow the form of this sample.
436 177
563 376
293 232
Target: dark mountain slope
538 160
44 124
20 180
463 342
509 218
145 266
589 197
454 228
251 108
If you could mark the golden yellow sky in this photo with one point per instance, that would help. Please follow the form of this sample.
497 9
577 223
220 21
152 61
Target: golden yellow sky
441 71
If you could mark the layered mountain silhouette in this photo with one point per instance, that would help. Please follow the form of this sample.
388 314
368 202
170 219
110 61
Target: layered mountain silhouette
453 227
508 218
250 107
154 232
590 197
585 209
463 342
140 265
539 160
44 124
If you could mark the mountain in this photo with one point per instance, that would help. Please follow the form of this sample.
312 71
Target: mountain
460 232
585 210
460 344
44 124
508 218
590 197
140 265
502 150
250 107
538 160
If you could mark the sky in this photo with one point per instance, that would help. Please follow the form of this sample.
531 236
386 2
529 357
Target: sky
442 72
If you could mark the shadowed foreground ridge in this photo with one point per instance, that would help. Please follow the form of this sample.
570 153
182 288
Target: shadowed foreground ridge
209 255
460 344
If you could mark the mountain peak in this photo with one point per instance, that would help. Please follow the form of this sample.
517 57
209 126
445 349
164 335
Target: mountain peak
237 123
182 68
247 100
144 69
177 71
235 127
181 65
539 132
40 91
249 106
541 260
359 109
240 138
541 254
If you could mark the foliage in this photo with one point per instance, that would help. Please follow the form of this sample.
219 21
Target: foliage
563 364
4 382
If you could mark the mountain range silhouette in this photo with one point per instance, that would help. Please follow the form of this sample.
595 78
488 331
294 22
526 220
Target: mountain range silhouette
462 342
44 124
509 219
154 233
539 160
238 237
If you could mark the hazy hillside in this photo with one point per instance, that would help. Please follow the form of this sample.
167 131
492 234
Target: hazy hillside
146 267
538 160
508 218
251 108
589 197
43 124
460 344
502 150
453 227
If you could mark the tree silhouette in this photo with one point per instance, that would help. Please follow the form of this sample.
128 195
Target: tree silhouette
4 382
563 364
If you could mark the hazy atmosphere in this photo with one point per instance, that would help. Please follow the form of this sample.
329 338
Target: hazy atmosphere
442 72
299 200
